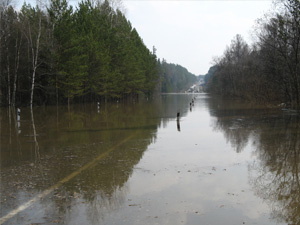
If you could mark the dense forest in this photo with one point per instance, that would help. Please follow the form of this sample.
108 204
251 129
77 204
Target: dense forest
55 54
175 78
269 70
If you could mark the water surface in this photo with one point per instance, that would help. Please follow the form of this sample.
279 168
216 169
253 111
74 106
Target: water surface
223 162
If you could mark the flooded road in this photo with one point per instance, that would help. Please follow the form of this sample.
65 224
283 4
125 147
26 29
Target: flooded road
222 162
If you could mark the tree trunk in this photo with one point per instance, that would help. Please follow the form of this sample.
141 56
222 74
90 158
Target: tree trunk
1 44
7 70
35 53
17 63
8 79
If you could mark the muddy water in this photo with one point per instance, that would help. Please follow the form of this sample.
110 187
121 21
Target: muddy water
222 162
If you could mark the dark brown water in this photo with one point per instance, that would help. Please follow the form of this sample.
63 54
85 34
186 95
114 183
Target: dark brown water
222 162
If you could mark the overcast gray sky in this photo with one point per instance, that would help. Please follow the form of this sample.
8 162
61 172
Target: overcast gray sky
191 33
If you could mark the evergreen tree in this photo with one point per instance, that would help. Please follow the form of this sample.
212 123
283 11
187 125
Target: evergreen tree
64 54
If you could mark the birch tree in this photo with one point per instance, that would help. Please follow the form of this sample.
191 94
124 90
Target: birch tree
32 31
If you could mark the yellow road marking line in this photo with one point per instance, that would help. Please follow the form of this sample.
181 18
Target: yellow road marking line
61 182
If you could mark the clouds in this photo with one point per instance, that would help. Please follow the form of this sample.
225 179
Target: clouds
190 33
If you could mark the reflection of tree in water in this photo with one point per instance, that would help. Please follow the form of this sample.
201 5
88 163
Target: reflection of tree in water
276 178
235 132
102 187
109 176
102 205
235 120
36 146
276 137
74 139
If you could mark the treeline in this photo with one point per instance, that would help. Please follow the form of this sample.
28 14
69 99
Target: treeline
174 78
268 71
57 54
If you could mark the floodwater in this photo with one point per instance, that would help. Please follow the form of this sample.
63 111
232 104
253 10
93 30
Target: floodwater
223 162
